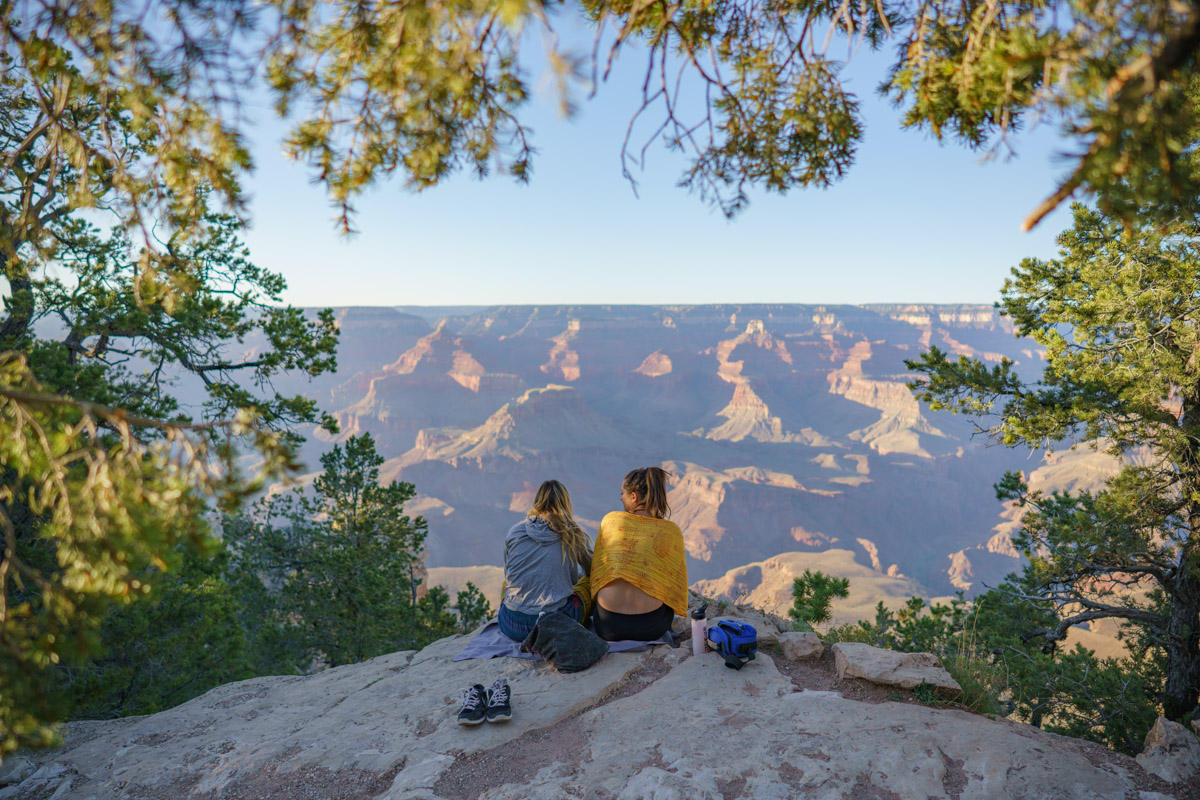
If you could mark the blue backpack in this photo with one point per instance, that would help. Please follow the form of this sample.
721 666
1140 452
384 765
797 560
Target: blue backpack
736 641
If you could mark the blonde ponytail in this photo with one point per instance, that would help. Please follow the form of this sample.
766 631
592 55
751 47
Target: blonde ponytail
553 504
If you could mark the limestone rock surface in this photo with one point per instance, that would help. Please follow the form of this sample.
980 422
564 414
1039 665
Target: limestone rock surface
891 668
1172 752
801 645
16 769
658 724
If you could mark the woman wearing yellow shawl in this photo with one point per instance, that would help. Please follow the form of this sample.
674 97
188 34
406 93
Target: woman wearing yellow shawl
638 578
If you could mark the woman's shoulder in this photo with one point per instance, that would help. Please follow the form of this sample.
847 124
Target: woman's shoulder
616 519
519 529
669 527
673 525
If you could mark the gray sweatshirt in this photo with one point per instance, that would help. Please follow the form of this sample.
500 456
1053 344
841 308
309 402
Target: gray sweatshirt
538 578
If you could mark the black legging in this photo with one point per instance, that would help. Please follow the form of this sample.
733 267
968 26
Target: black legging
647 627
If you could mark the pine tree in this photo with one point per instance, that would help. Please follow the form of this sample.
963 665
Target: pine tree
744 89
1117 314
337 566
812 594
175 644
472 608
104 479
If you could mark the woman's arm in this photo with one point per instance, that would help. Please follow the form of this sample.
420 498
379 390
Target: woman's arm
583 588
508 545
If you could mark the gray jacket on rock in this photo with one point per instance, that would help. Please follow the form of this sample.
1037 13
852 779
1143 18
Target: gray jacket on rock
538 577
565 643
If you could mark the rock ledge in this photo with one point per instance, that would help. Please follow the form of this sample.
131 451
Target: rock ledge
660 724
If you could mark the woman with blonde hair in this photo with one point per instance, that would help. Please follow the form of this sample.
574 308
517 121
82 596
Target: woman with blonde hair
638 575
544 556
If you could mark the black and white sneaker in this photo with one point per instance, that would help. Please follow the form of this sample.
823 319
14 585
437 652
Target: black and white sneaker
474 708
499 706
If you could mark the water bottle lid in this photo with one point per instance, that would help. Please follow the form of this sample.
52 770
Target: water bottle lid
698 613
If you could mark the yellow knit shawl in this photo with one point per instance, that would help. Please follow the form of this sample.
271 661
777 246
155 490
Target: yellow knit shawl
645 551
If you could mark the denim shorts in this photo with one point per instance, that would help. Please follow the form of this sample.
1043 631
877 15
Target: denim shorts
517 626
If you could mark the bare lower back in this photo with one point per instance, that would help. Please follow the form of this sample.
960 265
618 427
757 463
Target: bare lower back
622 597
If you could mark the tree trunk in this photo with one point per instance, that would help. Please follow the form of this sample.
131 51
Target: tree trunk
20 305
1183 643
1183 616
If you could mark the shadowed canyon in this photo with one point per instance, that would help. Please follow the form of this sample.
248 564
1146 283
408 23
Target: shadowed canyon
792 436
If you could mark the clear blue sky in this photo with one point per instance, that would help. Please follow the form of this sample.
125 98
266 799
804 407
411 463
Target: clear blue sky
914 221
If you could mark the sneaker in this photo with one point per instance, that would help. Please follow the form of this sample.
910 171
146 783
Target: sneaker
499 709
474 707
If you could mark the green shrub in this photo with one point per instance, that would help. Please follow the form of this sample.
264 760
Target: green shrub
984 645
981 682
812 594
851 632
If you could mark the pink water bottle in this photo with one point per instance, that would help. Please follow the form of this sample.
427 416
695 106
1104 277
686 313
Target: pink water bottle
699 631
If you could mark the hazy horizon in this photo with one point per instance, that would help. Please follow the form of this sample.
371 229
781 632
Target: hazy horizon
739 304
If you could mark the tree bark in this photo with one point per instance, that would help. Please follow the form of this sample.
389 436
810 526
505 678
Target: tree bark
20 305
1183 645
1182 687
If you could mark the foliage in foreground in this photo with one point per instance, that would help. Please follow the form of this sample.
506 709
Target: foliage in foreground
165 650
472 608
1117 316
341 563
331 577
744 90
982 644
86 509
106 479
105 483
302 582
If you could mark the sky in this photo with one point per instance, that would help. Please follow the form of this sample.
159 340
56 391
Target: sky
915 221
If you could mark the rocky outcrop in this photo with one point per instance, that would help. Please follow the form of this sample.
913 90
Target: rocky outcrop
747 416
658 724
564 362
900 421
800 645
655 365
542 419
892 668
1171 752
15 770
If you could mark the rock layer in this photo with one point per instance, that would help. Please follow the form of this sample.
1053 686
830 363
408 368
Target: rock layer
892 668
